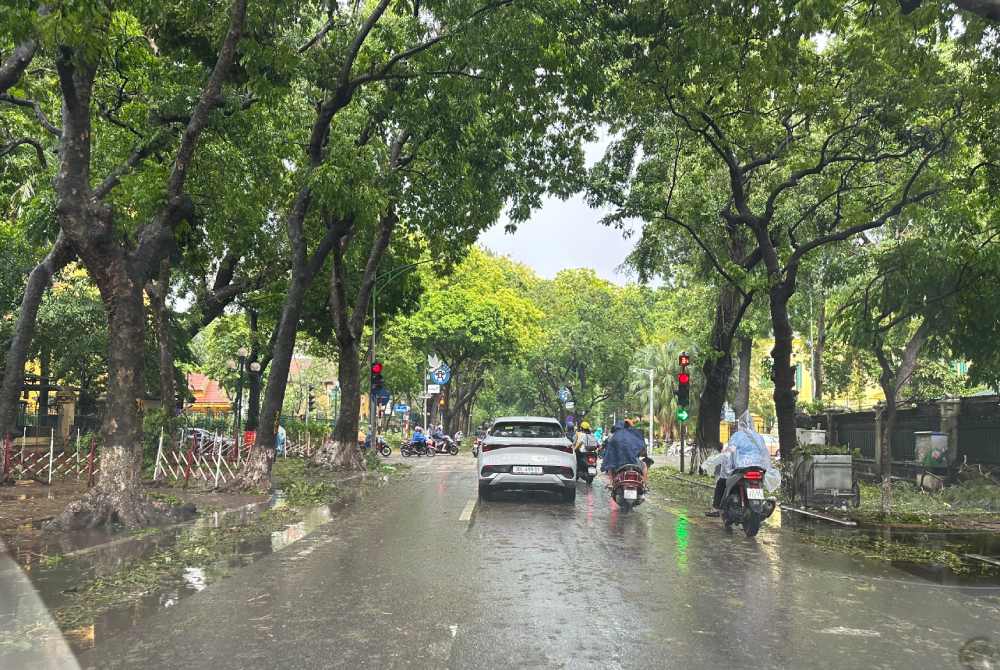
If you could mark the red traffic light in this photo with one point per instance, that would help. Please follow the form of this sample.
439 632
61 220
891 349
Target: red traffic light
683 378
684 360
377 368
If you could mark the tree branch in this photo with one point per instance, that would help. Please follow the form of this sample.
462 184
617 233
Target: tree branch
33 105
39 150
14 66
210 98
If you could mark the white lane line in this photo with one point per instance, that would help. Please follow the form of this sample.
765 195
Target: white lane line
469 509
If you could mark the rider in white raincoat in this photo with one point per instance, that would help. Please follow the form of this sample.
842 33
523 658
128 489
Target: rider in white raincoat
744 449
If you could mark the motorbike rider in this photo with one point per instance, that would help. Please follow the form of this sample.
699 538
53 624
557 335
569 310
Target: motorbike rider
439 436
418 437
584 438
721 464
625 447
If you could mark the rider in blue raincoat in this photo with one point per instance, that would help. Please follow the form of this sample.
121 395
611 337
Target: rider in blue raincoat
625 447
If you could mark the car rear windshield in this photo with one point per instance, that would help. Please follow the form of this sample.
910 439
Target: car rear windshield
526 429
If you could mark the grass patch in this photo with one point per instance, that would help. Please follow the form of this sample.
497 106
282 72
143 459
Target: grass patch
664 480
305 494
910 505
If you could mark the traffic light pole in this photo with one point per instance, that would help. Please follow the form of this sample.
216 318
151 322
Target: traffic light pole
683 430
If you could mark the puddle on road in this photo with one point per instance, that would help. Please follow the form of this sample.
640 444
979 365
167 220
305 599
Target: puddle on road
94 555
938 556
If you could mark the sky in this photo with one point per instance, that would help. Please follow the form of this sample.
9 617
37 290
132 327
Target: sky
565 234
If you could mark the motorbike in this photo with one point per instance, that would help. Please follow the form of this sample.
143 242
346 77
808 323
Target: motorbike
381 447
586 464
407 448
628 489
744 503
444 445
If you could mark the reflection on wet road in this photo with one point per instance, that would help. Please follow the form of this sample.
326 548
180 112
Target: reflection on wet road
420 575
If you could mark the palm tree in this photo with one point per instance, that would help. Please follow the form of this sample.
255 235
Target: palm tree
662 358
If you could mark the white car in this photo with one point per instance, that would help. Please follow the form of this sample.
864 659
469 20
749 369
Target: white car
528 453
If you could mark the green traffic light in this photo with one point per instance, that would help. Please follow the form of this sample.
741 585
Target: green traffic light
682 414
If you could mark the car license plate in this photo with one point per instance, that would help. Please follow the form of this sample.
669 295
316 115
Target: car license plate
755 494
591 471
631 494
527 470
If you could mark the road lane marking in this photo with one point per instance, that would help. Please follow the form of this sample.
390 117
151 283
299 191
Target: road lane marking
470 507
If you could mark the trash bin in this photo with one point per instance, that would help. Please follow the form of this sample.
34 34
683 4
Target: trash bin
931 448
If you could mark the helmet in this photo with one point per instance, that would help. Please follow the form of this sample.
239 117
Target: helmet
585 425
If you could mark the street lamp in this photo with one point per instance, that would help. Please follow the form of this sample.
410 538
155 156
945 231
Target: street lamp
242 353
649 371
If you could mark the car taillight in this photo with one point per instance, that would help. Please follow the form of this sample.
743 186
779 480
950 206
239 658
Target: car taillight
591 460
753 474
568 448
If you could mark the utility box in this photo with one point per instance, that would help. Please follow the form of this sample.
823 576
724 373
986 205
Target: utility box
826 480
931 449
810 437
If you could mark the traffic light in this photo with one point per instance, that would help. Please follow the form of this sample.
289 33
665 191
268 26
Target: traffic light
683 388
312 399
377 382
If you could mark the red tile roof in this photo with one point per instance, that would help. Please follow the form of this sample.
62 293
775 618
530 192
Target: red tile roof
206 391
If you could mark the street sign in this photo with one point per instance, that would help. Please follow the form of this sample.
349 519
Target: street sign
433 362
570 404
441 375
563 394
728 413
401 409
433 388
382 396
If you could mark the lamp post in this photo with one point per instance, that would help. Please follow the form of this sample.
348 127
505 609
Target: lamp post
649 371
241 355
253 406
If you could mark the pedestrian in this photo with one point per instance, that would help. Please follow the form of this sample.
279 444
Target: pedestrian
279 441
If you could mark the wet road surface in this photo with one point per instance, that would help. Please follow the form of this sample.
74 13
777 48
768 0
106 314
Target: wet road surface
419 575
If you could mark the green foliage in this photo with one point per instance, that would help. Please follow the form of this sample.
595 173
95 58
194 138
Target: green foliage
303 494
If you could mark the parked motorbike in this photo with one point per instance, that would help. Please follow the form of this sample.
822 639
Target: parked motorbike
586 464
407 448
628 489
744 503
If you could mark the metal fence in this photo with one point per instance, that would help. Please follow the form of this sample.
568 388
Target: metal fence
977 429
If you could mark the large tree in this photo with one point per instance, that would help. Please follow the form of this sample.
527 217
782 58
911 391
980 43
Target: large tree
94 223
795 132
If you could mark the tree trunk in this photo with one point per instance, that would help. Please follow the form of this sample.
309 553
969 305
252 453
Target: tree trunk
117 497
24 331
165 342
256 473
253 397
718 367
784 374
741 403
818 346
342 451
892 383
